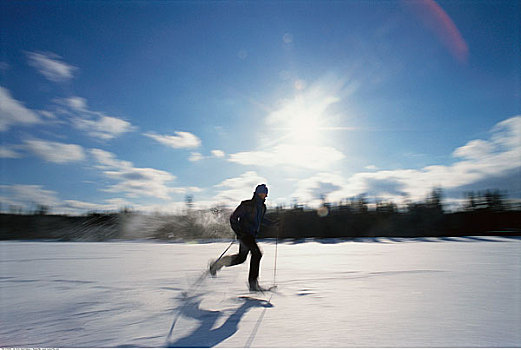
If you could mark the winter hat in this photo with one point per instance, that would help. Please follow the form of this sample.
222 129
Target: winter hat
261 189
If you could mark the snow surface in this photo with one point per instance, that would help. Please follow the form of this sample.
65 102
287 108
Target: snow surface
427 292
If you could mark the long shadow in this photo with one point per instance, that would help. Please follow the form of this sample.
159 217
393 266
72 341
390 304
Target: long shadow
511 237
480 239
205 336
371 240
329 240
395 239
389 239
449 239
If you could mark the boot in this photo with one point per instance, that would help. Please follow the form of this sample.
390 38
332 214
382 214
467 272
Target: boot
216 265
254 287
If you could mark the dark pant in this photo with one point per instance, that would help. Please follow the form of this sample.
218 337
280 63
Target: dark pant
248 244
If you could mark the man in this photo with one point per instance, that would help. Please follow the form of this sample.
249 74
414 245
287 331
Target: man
246 221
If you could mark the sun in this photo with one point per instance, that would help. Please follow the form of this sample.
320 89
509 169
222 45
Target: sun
301 121
297 131
304 128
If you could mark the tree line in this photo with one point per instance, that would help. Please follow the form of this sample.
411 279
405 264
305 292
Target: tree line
482 213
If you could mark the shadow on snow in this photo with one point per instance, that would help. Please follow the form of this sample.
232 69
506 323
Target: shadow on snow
390 240
205 335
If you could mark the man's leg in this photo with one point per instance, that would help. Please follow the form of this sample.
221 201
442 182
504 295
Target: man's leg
230 260
238 258
247 244
256 255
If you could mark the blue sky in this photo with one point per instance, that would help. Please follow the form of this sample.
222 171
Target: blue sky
140 103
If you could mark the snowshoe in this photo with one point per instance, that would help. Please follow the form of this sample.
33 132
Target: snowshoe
215 266
218 264
255 287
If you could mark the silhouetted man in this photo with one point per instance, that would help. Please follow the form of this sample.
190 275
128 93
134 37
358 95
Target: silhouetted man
246 221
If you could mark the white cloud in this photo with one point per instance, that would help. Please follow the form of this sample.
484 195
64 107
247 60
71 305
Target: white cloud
104 127
95 124
474 149
218 153
108 160
55 152
239 188
132 181
75 102
13 112
116 204
301 156
47 114
51 66
27 195
9 152
482 159
329 186
181 139
78 207
195 157
81 206
508 133
186 190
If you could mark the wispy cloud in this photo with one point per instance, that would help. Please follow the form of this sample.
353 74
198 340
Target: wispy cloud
75 102
474 149
287 155
13 112
180 139
107 160
195 157
51 66
239 188
327 186
95 124
475 162
136 182
28 195
10 152
116 204
104 127
186 190
113 204
218 153
55 152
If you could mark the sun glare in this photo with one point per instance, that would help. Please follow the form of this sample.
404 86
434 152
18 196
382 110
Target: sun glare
304 128
302 121
299 129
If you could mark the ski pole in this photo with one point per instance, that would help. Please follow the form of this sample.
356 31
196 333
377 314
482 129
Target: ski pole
275 264
231 243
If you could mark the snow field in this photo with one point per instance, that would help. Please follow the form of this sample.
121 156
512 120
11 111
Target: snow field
448 292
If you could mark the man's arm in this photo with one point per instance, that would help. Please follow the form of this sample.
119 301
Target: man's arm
235 218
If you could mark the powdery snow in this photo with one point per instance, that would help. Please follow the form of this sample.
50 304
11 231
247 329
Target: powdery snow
432 292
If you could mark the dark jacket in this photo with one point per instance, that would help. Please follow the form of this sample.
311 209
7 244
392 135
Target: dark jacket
244 219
